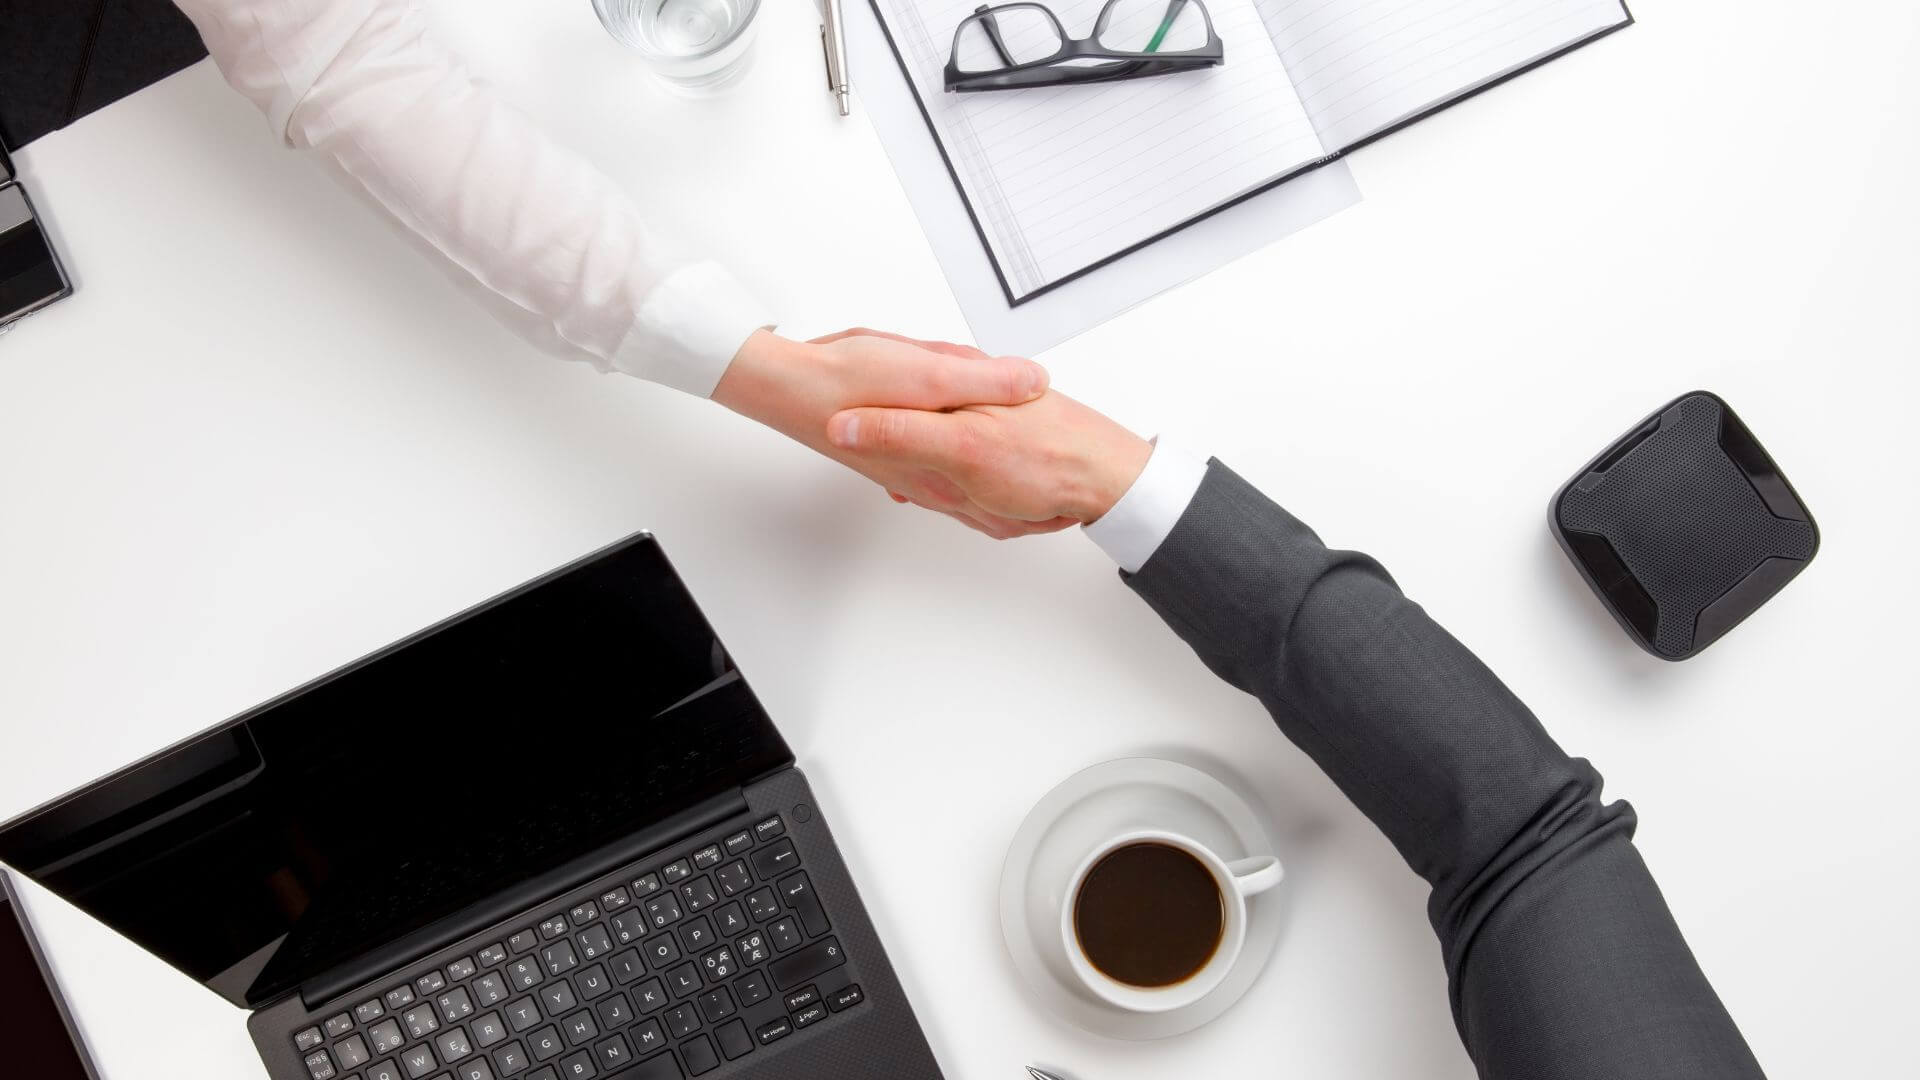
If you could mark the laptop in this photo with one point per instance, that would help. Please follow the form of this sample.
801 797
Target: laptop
555 837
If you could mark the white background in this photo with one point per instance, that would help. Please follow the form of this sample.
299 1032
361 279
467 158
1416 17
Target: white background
268 435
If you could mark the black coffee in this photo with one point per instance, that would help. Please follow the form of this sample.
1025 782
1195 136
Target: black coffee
1149 915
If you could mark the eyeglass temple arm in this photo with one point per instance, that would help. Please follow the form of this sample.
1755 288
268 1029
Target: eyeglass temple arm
1174 8
992 27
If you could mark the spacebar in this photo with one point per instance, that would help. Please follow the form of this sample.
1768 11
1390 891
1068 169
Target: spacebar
808 963
655 1068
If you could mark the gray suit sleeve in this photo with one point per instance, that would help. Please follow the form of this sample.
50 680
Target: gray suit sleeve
1563 962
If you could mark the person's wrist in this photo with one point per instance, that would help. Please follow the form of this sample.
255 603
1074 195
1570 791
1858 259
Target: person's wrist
1109 470
755 380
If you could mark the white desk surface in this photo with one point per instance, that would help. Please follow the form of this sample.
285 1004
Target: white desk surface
267 436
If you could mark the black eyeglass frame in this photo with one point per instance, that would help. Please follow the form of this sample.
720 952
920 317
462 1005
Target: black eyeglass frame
1045 72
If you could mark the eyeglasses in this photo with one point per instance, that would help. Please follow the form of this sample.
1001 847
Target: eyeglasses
1020 45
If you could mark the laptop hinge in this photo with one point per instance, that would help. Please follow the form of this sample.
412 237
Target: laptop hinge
402 951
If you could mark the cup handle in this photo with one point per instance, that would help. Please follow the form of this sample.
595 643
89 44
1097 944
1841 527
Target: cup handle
1255 875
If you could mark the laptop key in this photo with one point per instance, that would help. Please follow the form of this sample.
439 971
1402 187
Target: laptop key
738 843
431 983
368 1011
660 951
649 995
648 1036
352 1052
580 1028
455 1005
421 1021
682 1021
546 1043
733 1039
386 1070
659 1067
558 999
730 920
629 927
684 979
477 1069
716 1004
490 989
386 1036
613 1052
488 1029
719 964
707 857
698 934
733 878
524 973
627 966
771 862
805 903
808 964
615 899
578 1066
846 998
546 1073
751 989
699 894
553 926
308 1039
320 1066
594 942
768 829
592 982
774 1032
521 940
663 910
522 1014
784 934
560 958
614 1012
453 1045
399 998
493 955
675 872
802 998
753 949
418 1061
584 912
699 1054
764 904
646 885
809 1015
338 1025
511 1059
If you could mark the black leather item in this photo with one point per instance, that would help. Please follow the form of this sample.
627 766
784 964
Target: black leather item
1562 959
62 59
1684 526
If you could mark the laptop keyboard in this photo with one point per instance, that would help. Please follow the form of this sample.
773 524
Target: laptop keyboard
700 960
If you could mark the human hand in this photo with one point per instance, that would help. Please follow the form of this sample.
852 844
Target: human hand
793 387
1051 459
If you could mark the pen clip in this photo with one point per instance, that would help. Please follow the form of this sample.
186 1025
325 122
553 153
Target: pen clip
826 57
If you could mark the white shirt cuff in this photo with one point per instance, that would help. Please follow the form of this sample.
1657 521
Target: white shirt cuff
1139 523
689 328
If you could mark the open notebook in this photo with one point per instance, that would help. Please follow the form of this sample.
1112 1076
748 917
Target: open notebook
1062 180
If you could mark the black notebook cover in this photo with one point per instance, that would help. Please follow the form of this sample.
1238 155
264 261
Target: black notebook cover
1006 288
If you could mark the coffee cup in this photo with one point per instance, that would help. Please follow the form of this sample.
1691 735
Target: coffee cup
1153 920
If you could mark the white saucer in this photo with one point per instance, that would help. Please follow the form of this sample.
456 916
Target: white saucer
1089 807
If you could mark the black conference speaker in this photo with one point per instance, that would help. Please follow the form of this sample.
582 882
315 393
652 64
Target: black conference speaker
1684 526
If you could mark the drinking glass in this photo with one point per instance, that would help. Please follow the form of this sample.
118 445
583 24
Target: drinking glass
689 44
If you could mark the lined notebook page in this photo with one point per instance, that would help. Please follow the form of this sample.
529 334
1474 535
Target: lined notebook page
1061 178
1363 65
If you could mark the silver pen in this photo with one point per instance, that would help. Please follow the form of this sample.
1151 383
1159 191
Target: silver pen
833 39
1038 1075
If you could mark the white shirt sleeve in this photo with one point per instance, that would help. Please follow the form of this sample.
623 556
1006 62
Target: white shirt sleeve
1139 523
534 222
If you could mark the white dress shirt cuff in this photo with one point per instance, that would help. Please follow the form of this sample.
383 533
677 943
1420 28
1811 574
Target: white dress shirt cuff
689 328
1139 523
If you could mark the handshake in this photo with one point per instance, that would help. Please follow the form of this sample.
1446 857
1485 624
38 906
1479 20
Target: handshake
943 426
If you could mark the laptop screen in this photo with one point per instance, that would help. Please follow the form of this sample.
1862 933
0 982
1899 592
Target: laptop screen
497 745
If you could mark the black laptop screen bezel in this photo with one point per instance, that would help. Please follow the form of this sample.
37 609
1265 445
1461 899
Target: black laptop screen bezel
622 757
